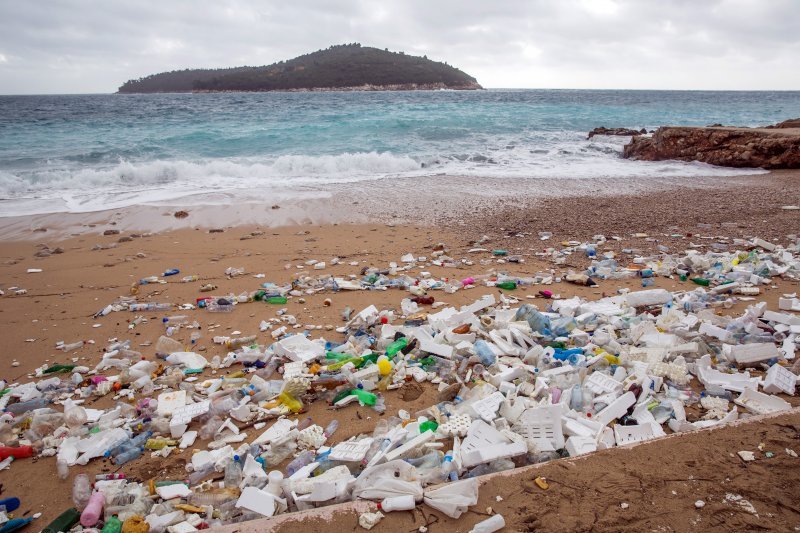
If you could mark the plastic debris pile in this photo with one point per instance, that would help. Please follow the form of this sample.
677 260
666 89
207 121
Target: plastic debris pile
516 384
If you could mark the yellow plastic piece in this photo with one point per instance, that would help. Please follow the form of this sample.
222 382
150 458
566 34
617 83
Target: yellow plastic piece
292 403
384 366
612 359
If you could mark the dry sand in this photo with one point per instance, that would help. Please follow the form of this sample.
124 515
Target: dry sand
585 495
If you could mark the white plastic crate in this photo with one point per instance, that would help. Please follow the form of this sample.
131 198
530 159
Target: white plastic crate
184 415
778 379
351 451
541 426
631 434
599 383
486 408
485 443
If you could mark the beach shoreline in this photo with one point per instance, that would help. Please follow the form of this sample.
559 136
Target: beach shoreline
447 201
98 265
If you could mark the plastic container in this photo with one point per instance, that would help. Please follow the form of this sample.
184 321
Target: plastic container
233 474
490 525
81 491
484 353
23 407
112 525
94 510
398 503
64 522
17 452
128 455
149 307
175 320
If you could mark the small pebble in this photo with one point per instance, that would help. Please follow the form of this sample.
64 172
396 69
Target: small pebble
624 505
699 504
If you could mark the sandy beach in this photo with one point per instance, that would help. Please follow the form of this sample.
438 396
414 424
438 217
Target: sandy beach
104 254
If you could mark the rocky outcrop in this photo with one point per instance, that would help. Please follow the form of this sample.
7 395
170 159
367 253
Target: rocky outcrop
791 123
725 146
625 132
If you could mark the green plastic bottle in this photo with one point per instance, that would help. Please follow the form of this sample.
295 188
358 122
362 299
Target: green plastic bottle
703 282
428 425
368 358
500 253
337 356
365 397
63 522
112 525
59 368
339 364
507 285
396 346
428 361
278 300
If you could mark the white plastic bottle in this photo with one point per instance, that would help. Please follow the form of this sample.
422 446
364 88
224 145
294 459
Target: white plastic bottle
398 503
495 523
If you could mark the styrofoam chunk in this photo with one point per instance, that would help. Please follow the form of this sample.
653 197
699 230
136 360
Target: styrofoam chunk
780 379
616 409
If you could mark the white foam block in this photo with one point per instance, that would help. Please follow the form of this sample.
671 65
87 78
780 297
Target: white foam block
442 350
257 500
616 409
753 353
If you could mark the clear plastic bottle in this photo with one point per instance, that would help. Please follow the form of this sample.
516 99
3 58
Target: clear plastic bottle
81 491
128 455
150 307
233 473
484 353
331 429
175 320
306 457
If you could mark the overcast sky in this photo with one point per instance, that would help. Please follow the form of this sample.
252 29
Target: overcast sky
79 46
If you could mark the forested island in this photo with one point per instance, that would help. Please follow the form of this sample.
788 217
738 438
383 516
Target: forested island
338 68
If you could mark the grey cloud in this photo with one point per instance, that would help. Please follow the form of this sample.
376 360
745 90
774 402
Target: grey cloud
82 46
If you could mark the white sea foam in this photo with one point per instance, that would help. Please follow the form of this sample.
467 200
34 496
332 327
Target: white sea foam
74 188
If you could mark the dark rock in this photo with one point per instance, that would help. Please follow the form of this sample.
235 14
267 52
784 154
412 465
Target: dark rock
111 232
791 123
624 132
181 214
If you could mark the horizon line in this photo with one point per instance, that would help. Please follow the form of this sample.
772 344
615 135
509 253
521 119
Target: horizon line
417 90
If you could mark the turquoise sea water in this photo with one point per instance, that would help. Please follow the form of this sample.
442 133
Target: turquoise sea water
90 152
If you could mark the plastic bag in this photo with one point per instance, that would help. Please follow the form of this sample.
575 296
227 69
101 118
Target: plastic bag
453 499
395 478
